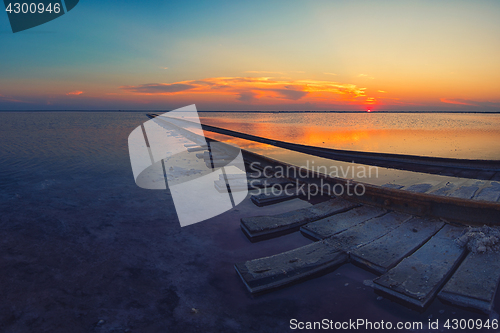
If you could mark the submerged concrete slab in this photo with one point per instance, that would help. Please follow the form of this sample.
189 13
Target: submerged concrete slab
387 251
276 271
265 199
262 227
194 149
215 156
233 176
475 282
368 231
337 223
242 184
417 279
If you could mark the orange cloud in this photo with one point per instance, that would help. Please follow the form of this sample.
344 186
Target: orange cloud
253 89
366 76
76 92
456 101
264 72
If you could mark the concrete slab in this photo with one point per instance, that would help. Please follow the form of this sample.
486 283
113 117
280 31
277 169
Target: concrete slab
417 279
387 251
233 176
464 192
394 186
194 149
242 184
475 282
368 231
265 199
276 271
263 227
288 267
489 193
420 188
445 189
215 156
337 223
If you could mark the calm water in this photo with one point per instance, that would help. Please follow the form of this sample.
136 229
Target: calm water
82 243
469 136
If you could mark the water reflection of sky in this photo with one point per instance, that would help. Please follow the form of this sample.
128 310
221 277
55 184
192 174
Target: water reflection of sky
469 136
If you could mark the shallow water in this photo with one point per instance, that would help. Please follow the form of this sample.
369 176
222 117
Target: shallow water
82 243
468 136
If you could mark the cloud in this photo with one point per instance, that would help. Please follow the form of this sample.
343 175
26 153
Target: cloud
158 88
291 94
7 99
330 73
252 89
457 101
366 76
473 105
247 96
264 72
76 92
382 91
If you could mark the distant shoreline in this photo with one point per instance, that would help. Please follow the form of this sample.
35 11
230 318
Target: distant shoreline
283 112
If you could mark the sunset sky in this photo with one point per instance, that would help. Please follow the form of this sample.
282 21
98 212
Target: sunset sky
257 55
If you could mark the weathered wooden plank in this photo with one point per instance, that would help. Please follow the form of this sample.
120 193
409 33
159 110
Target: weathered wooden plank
417 278
475 282
384 253
490 193
276 271
265 199
262 227
242 184
337 223
368 231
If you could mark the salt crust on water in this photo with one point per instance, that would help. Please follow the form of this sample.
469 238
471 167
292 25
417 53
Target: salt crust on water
480 240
